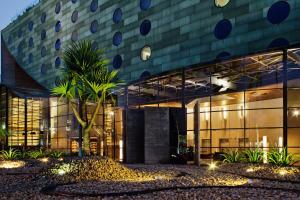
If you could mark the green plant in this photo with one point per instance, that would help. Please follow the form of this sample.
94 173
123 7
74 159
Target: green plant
280 157
86 79
10 154
56 154
253 155
36 154
233 156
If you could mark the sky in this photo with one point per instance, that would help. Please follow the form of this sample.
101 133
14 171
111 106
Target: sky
9 9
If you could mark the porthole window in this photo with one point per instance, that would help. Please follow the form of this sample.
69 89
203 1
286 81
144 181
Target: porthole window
43 69
43 34
278 12
117 62
117 39
95 46
74 17
221 3
57 44
20 33
30 43
57 26
145 75
43 17
57 7
145 27
43 51
57 62
145 4
224 55
94 26
94 5
30 58
279 43
74 1
30 26
74 36
117 17
146 53
223 29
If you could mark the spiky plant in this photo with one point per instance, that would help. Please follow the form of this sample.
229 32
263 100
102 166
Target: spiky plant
253 155
280 157
232 156
36 154
10 154
56 154
86 79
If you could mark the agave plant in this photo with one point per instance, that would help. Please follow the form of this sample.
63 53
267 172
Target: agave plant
10 154
232 156
253 155
36 154
281 157
56 154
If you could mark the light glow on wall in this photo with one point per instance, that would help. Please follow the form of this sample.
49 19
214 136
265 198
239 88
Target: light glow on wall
121 150
265 146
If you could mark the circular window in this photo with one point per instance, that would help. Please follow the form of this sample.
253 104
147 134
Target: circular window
94 26
94 5
278 12
117 17
223 29
224 55
20 48
57 62
117 62
30 26
43 17
279 43
57 44
146 53
145 4
58 26
74 1
30 58
95 46
30 43
43 69
57 7
221 3
20 33
74 17
145 27
74 36
117 39
43 34
43 51
145 75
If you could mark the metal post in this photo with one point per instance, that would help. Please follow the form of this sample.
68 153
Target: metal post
285 100
25 113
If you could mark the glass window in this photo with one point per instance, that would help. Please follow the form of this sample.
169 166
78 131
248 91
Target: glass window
30 58
145 53
221 3
74 36
117 39
30 42
58 26
43 34
94 26
57 44
95 45
74 1
145 4
117 62
43 51
43 69
20 32
278 12
117 17
57 62
30 26
145 27
58 7
43 17
74 17
223 29
94 5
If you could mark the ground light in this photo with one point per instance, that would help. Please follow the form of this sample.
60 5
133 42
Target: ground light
212 166
11 164
44 160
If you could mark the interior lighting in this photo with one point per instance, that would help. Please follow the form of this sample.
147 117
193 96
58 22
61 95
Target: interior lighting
296 113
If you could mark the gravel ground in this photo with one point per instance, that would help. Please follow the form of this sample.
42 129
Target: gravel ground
186 182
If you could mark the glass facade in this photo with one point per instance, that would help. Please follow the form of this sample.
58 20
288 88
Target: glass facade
231 104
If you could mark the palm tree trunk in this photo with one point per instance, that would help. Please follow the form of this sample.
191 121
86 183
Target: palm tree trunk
86 142
81 129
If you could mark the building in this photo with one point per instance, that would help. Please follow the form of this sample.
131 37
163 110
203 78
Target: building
202 76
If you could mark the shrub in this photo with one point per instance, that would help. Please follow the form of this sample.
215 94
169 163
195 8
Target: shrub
10 154
253 155
56 154
281 157
36 154
232 156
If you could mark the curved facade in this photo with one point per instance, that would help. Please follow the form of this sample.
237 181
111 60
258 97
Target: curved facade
180 34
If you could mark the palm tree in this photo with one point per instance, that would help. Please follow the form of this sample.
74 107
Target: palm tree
86 79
